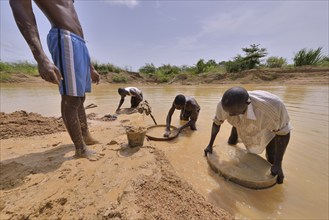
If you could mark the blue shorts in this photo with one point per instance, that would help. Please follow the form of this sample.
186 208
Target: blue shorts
71 56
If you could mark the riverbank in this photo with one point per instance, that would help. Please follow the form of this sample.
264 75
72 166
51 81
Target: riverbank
40 178
294 75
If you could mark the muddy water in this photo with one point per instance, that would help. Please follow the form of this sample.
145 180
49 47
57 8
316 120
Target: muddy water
304 194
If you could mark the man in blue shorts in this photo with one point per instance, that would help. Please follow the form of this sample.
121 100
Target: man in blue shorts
71 69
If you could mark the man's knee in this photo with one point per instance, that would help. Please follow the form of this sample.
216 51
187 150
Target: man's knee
270 157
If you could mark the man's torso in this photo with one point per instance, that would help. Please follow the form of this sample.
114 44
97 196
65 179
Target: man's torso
61 14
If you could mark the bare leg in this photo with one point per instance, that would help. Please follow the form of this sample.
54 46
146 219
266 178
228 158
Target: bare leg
134 102
83 123
69 108
193 127
274 154
233 139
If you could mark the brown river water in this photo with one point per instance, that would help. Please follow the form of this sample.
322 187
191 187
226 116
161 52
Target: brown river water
304 194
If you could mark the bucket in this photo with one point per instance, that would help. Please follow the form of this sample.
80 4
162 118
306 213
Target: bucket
135 136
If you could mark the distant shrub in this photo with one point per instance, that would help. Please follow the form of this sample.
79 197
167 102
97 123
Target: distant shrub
119 79
308 57
237 65
276 62
162 78
148 69
182 76
168 69
4 76
202 67
106 68
324 62
23 67
5 67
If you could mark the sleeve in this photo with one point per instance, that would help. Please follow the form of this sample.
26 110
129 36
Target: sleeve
220 115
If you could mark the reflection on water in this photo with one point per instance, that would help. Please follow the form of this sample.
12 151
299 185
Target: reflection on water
304 194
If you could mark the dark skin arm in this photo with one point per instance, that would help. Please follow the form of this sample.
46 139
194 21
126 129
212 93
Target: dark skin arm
25 20
168 120
95 77
214 131
61 14
121 102
281 143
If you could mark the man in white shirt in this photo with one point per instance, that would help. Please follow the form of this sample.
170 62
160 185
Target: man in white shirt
259 119
135 93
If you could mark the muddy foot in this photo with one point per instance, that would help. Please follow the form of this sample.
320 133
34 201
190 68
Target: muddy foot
89 154
90 141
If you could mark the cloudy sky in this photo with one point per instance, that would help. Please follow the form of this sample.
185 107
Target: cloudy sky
131 33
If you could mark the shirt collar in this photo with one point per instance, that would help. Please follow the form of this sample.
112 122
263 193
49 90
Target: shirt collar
250 112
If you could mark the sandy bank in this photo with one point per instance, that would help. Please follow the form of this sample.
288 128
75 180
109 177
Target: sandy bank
40 179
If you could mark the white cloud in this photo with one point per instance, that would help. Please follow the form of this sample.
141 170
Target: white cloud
128 3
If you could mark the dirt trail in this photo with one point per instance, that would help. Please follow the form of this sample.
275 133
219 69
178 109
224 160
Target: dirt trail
40 178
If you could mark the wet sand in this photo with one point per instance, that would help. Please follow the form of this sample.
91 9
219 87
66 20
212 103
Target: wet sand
40 178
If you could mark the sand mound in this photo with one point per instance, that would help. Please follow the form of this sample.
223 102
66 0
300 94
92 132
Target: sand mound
23 124
40 178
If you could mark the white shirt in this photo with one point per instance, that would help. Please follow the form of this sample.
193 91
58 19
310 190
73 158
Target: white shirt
133 89
265 117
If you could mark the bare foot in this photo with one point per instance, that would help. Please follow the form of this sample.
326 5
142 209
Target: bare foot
89 154
90 141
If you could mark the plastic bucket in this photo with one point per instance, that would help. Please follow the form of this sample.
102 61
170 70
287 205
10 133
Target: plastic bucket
135 136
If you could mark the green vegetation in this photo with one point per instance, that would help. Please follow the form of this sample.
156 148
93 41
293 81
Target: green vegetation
167 72
7 69
4 76
106 68
22 67
308 57
276 62
119 79
324 62
253 58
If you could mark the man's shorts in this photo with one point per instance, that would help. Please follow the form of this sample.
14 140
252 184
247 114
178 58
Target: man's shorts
71 56
187 114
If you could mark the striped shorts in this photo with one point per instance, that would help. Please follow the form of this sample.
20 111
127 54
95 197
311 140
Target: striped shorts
71 56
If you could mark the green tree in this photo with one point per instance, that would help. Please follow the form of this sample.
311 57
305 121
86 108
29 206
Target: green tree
253 55
238 64
200 66
251 60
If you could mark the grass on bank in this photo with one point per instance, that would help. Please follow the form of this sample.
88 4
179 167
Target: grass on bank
233 69
7 69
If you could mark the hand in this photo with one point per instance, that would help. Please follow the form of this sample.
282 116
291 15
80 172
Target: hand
166 134
208 149
277 170
49 72
95 77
